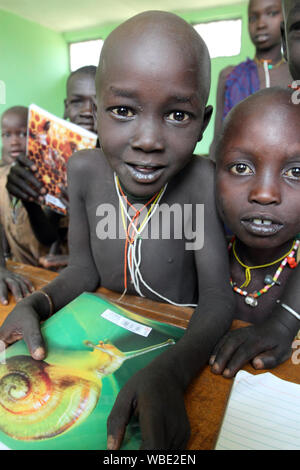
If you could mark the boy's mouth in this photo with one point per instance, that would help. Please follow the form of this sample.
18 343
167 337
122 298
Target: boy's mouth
261 38
260 226
143 173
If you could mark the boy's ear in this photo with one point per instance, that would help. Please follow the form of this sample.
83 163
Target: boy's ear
206 120
282 28
66 109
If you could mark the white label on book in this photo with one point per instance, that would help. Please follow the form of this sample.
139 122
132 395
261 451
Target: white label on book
55 201
124 322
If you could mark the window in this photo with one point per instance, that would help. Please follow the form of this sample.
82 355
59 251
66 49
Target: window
223 38
85 53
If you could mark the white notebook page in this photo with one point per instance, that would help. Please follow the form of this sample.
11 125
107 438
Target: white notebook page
263 413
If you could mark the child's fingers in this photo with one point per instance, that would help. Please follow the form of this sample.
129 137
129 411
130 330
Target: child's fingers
23 160
224 352
119 418
3 293
270 359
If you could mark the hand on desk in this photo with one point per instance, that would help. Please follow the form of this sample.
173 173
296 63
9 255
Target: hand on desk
19 286
157 398
24 323
265 345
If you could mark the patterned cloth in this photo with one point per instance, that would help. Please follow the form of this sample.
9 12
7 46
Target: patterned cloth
15 221
240 83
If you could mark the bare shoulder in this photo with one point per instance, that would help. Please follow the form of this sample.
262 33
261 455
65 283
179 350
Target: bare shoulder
197 178
86 161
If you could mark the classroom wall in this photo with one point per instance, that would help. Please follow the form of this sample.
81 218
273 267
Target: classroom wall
203 15
34 64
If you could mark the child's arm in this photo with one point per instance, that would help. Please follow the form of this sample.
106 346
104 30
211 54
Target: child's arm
22 184
80 275
265 345
156 393
19 286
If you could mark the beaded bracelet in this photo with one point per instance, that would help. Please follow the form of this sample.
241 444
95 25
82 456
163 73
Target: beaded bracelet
289 309
51 305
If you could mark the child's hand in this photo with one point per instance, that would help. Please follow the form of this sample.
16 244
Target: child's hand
22 183
23 322
155 396
265 346
19 286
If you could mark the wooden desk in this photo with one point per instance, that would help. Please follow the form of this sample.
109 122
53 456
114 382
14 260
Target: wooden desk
207 396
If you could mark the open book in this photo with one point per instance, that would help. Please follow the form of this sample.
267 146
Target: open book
50 143
63 402
263 413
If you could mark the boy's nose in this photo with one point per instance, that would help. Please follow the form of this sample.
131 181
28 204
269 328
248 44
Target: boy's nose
261 22
265 191
87 107
148 137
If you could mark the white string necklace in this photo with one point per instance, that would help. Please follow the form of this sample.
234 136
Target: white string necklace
134 254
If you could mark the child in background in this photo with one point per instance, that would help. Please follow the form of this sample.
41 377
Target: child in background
268 68
27 227
258 191
22 183
13 133
150 118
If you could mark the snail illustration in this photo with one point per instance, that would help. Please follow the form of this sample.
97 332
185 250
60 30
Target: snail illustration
39 400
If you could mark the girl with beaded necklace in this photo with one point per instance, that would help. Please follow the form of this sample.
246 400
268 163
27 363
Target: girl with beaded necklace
258 190
267 69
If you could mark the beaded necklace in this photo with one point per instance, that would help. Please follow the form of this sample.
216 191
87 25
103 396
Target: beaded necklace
270 281
267 64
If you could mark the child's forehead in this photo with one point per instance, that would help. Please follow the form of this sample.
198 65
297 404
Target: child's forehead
13 119
267 120
81 84
290 7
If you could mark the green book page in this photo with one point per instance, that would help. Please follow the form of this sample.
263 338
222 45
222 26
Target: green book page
93 348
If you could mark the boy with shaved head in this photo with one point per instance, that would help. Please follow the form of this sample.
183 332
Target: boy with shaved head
152 83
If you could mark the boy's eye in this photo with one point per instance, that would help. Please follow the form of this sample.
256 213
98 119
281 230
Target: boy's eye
274 13
122 111
178 116
240 169
293 173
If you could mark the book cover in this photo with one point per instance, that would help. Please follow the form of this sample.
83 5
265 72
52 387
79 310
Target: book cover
50 143
62 402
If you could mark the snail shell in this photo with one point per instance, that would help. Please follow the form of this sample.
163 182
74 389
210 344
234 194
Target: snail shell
39 400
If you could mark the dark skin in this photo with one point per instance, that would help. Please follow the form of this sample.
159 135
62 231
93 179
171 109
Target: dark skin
291 36
258 178
151 118
264 20
81 95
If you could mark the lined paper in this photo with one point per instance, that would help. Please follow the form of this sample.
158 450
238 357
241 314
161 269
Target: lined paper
263 413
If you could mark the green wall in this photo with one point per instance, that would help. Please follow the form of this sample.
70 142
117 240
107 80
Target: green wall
34 64
34 60
204 15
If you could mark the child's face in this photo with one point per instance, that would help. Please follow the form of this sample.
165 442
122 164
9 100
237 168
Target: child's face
258 175
81 95
14 132
265 17
291 36
150 114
